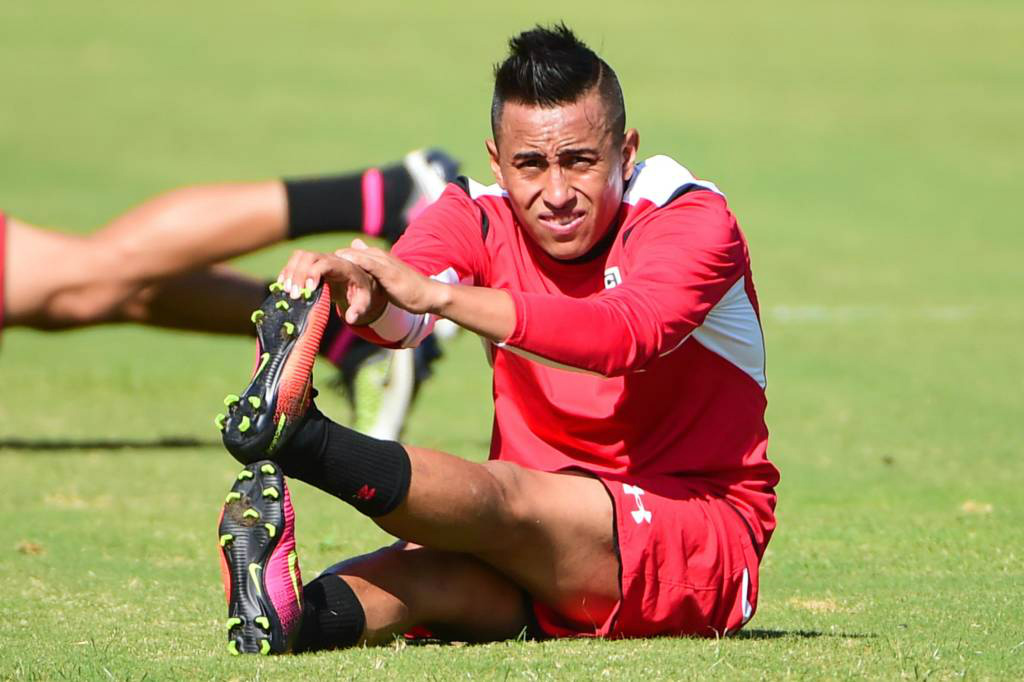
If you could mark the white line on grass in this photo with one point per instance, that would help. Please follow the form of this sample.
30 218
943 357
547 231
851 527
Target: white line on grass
857 313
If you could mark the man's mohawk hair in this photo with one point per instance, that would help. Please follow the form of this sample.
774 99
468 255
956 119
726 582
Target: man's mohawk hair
549 66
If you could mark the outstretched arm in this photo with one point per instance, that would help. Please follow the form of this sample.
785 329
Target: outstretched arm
488 312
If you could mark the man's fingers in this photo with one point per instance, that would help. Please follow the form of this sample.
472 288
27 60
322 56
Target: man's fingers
307 266
360 259
304 269
285 277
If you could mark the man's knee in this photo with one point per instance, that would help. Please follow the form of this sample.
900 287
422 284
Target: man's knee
453 593
512 496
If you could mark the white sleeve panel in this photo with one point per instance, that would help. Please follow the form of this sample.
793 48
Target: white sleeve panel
656 179
732 330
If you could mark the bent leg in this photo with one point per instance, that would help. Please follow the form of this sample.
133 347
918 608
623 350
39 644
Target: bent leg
550 533
190 227
218 300
60 281
121 273
454 595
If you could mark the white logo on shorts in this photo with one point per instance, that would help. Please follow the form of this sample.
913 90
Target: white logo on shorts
612 277
639 514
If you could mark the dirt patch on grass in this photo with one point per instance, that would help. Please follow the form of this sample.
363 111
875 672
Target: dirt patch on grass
826 605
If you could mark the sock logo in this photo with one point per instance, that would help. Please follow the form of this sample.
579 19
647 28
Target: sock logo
366 493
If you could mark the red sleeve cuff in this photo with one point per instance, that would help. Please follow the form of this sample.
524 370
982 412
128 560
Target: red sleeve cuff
519 331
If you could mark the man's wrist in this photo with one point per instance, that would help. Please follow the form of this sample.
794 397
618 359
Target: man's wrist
442 298
373 315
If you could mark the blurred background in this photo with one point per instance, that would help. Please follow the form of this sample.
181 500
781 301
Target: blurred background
872 151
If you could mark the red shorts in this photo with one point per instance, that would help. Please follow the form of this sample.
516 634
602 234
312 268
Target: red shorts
688 563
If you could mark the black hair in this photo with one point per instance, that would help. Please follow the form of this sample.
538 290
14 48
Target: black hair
549 66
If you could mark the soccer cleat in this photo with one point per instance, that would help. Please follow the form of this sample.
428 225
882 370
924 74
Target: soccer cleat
379 384
271 408
431 170
260 568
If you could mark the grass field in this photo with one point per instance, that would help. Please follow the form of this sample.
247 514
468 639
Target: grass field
872 152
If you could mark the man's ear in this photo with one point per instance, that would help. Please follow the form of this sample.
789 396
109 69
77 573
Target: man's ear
492 152
630 145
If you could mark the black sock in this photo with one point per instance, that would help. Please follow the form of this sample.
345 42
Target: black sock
332 616
330 203
372 475
334 203
398 187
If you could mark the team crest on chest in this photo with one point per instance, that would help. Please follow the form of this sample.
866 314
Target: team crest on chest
612 277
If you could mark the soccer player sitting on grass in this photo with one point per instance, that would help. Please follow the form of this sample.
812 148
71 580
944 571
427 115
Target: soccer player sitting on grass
160 264
628 492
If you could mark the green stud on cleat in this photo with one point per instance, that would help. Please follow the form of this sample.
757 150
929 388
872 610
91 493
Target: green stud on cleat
219 421
233 648
244 474
307 293
289 329
276 287
268 469
262 621
244 425
232 496
271 492
271 529
233 622
230 399
225 539
251 513
255 402
282 305
265 646
257 316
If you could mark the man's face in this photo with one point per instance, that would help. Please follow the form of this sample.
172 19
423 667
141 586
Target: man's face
563 171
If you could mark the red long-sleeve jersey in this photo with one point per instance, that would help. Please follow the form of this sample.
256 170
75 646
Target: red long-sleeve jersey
643 358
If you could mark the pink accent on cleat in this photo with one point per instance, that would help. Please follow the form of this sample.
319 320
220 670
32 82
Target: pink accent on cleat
282 577
260 567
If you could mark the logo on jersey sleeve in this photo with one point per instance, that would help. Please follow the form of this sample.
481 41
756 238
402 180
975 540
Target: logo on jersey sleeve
612 277
640 515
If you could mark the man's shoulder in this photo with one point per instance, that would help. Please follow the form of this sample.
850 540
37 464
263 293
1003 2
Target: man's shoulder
477 190
660 180
666 201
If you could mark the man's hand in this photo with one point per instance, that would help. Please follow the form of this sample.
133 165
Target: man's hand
404 286
352 289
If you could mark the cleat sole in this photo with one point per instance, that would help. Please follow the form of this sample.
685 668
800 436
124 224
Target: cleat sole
265 414
252 626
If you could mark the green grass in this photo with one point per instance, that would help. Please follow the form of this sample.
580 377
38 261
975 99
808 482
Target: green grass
873 153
